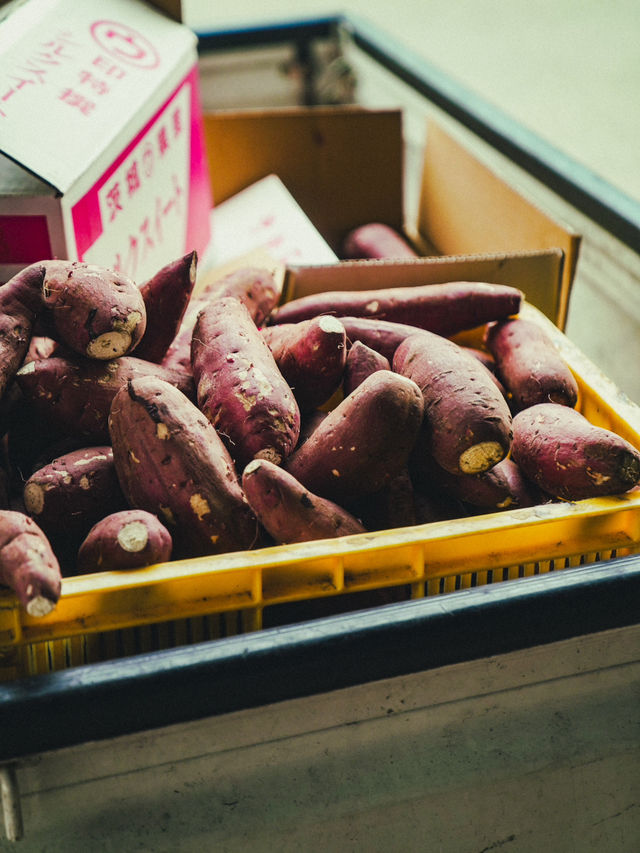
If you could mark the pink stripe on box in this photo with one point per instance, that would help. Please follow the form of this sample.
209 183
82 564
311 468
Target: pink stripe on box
24 239
87 222
200 199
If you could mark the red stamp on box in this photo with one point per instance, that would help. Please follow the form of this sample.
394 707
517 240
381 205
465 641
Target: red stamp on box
125 44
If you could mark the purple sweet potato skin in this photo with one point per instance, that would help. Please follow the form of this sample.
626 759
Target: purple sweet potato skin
256 287
239 386
529 364
383 336
75 394
68 495
28 565
441 308
376 240
111 546
568 457
288 511
171 462
363 442
467 418
361 362
166 296
94 311
311 356
20 303
501 487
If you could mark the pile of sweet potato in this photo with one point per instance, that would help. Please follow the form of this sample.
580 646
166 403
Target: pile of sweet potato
141 424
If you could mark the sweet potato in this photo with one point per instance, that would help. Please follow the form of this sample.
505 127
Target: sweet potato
382 336
239 386
166 296
288 511
20 303
94 311
503 486
570 458
523 492
28 565
488 361
361 362
128 539
67 496
41 346
311 356
529 364
75 394
385 336
442 308
171 462
256 287
364 442
467 418
376 240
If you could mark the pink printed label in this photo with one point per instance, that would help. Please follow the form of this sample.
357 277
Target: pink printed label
82 71
24 239
152 204
125 44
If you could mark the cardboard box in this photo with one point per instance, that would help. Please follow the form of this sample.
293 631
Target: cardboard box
345 166
266 217
101 145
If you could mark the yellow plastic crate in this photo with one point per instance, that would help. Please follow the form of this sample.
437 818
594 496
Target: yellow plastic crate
114 614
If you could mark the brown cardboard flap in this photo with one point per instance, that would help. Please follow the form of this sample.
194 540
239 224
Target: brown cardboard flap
537 274
173 8
343 165
467 208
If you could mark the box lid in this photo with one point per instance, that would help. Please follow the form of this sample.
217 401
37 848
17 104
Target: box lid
72 75
465 207
319 155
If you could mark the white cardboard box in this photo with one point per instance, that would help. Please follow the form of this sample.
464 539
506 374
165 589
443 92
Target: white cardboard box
264 216
101 148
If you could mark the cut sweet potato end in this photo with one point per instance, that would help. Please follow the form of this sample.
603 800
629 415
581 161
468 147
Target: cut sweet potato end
480 457
33 498
133 537
40 606
330 324
109 345
270 454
